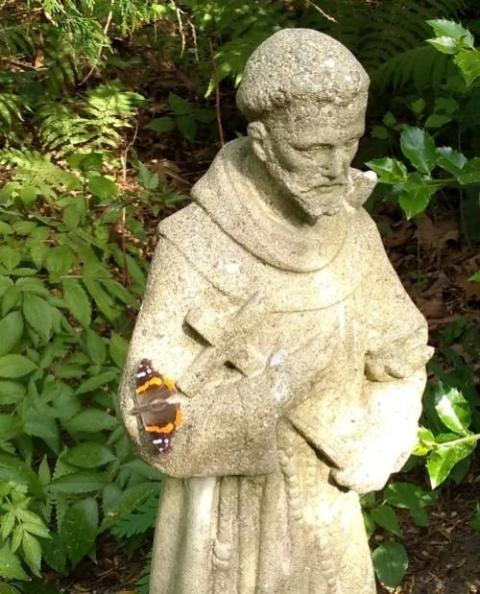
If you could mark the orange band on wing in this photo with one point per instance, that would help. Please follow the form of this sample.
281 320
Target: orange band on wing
154 381
178 418
156 429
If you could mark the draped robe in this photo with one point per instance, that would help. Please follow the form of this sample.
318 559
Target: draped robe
328 378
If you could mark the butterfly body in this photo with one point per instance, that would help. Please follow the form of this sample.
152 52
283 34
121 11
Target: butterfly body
160 418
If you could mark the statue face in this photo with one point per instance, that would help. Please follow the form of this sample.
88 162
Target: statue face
309 156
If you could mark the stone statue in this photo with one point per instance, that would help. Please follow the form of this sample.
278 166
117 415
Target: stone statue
298 357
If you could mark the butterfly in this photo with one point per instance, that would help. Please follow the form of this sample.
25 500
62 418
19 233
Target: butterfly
160 418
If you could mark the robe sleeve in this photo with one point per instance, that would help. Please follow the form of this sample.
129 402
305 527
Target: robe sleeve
226 430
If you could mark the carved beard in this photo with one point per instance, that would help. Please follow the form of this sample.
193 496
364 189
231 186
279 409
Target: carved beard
315 201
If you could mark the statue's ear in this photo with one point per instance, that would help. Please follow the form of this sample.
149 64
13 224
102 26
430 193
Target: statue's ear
257 133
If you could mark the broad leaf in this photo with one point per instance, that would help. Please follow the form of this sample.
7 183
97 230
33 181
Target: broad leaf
390 561
77 301
13 366
79 529
389 171
92 383
419 148
78 483
10 566
38 314
102 187
91 420
470 173
32 552
453 410
88 455
11 330
385 516
411 497
441 462
469 63
450 160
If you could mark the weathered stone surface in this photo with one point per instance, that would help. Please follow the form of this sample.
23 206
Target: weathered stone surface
298 355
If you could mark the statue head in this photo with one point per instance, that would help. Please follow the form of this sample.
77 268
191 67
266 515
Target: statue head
305 96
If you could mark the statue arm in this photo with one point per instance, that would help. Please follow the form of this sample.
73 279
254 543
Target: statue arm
227 430
395 377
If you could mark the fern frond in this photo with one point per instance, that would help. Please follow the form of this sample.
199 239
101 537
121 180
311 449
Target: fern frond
60 60
138 521
108 108
36 171
10 110
423 66
61 129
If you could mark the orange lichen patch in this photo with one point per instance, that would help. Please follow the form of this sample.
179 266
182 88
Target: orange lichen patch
156 429
178 418
154 381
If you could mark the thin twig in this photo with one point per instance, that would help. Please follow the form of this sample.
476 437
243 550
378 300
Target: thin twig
217 95
321 11
179 13
99 55
194 38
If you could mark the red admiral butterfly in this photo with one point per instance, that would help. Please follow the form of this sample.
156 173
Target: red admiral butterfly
160 419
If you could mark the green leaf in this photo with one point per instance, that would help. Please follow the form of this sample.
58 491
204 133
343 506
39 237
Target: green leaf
389 171
11 299
32 552
102 300
6 589
445 28
453 410
385 516
96 348
470 173
442 460
55 555
102 187
445 45
77 301
178 105
437 120
469 63
415 195
39 424
14 469
38 253
419 148
91 420
390 561
79 529
10 566
13 366
475 277
59 261
88 455
5 284
162 125
86 162
475 521
146 178
78 483
38 314
187 126
11 392
11 331
118 350
97 381
411 497
9 257
426 441
451 160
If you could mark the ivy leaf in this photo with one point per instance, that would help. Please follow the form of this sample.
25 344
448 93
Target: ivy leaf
13 366
469 63
10 566
11 330
419 148
79 529
441 461
453 410
77 301
390 561
38 314
451 160
389 171
470 173
88 455
415 195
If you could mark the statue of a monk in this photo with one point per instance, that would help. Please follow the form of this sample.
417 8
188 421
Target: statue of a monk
299 359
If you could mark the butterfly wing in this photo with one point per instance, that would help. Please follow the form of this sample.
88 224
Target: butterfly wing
160 419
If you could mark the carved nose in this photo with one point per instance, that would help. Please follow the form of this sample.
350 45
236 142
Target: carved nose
335 166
